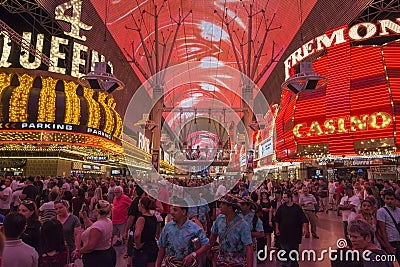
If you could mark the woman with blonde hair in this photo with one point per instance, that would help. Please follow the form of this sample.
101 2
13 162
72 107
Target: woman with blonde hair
98 195
97 250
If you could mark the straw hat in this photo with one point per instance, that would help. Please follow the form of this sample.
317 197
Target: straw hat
231 200
248 200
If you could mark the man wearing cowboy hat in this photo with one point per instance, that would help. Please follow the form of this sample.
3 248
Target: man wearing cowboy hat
181 240
257 230
236 245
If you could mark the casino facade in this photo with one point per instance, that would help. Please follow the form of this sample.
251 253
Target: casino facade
349 127
51 124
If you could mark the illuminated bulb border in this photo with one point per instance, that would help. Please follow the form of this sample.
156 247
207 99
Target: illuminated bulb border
109 125
94 108
72 104
18 111
47 100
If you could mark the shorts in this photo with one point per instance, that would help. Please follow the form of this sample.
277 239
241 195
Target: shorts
119 229
100 258
147 254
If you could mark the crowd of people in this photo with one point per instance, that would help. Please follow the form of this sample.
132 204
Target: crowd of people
55 221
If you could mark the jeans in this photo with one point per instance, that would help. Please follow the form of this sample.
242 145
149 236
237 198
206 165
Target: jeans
130 245
396 245
346 234
312 218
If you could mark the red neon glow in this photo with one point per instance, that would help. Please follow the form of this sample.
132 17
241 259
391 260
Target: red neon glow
362 81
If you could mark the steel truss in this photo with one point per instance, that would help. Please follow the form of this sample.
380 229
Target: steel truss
378 9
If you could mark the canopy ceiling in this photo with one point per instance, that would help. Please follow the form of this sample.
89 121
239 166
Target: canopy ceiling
203 37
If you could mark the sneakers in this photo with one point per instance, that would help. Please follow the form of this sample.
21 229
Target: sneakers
307 236
315 236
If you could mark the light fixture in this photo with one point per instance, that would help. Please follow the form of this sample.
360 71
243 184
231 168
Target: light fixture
145 123
305 80
99 79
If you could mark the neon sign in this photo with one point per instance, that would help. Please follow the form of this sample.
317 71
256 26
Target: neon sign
378 120
57 58
355 34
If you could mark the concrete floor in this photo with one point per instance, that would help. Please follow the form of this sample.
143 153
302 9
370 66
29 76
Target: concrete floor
329 229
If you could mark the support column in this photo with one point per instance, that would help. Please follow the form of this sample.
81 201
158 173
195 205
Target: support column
247 103
156 115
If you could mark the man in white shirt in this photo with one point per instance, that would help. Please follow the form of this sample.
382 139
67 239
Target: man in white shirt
349 204
16 253
307 201
15 198
269 186
111 194
14 184
332 189
5 197
388 225
221 191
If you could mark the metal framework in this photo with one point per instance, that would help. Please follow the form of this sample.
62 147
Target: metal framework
247 63
15 37
378 9
205 110
161 60
31 11
36 13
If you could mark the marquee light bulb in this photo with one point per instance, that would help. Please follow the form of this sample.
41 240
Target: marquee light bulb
18 111
6 50
47 100
24 57
72 104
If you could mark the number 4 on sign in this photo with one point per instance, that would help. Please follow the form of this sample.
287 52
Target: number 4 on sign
74 20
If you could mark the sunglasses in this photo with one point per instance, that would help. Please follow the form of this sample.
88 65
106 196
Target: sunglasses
62 201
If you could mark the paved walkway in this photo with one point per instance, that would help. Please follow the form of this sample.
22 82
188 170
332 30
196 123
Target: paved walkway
329 229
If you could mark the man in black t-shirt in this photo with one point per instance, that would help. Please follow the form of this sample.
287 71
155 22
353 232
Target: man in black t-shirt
323 193
30 191
291 223
275 204
133 215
